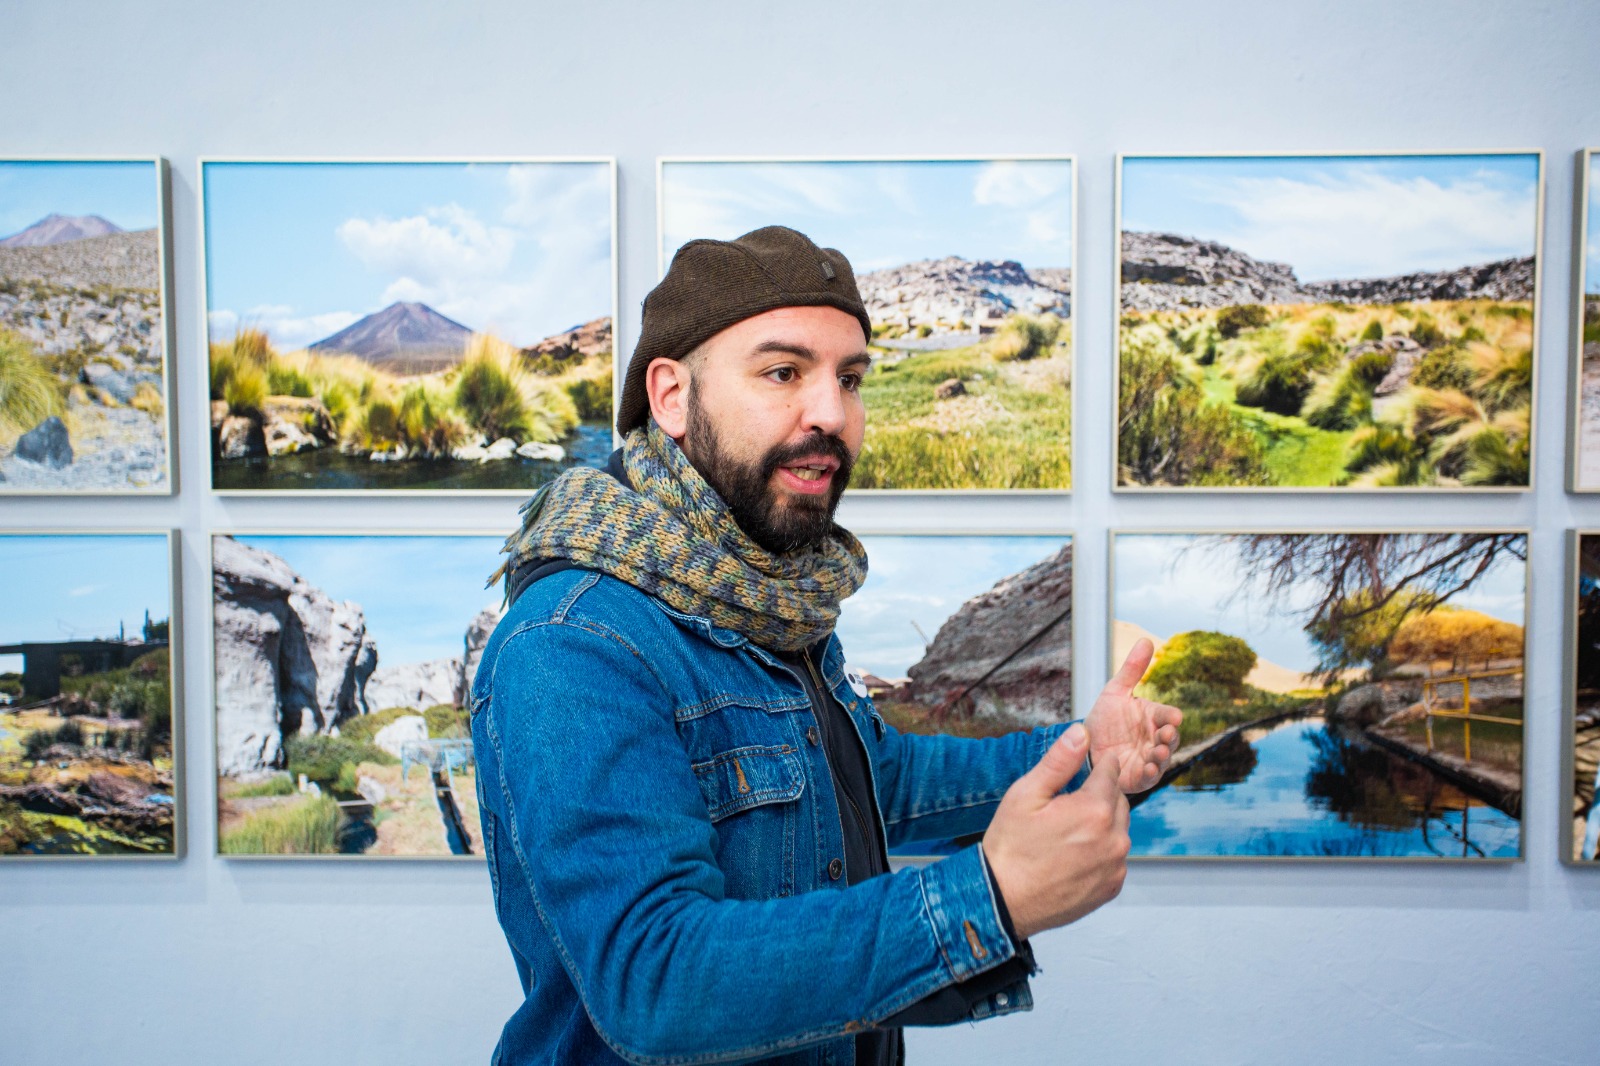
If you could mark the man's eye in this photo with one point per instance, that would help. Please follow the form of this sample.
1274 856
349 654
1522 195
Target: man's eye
783 374
850 382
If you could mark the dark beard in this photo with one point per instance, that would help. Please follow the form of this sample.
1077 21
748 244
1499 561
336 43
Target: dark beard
747 488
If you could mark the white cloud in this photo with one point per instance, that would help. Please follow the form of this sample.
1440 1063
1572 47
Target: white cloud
85 590
1363 223
287 330
441 246
1019 182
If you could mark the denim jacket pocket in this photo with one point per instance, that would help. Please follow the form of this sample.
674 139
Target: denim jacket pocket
753 796
748 777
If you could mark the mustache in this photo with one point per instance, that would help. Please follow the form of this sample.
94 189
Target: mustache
815 444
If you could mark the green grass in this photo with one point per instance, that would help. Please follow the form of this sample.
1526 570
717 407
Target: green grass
276 785
1011 429
309 828
1296 454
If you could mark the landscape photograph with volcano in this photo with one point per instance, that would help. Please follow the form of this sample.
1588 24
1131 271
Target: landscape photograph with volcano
408 326
83 328
1352 322
965 266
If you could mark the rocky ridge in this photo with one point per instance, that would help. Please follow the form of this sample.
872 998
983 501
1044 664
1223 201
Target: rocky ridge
943 294
1167 271
591 338
1035 685
58 229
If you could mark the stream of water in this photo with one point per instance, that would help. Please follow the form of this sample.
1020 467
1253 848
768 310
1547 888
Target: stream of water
1306 788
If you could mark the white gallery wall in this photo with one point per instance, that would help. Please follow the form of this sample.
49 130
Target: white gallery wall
204 960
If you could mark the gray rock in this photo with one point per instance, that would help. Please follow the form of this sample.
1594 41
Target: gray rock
394 736
109 381
415 685
944 293
239 437
47 444
288 658
532 449
949 389
477 637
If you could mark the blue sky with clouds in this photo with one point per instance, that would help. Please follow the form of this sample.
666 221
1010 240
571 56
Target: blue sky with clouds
305 249
75 587
881 214
924 579
1165 589
124 193
418 593
1343 217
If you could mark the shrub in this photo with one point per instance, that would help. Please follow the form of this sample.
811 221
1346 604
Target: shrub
1210 658
380 424
276 785
1232 321
426 422
1445 367
592 397
1024 337
320 758
552 414
284 380
1279 384
1426 332
307 828
1168 435
29 393
1504 378
488 389
1387 454
445 720
1373 332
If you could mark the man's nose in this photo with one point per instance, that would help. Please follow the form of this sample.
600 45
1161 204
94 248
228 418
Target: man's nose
824 407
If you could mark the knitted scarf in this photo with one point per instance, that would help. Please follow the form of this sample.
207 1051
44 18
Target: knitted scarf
675 539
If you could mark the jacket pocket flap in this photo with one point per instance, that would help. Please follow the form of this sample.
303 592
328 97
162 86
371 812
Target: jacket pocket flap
742 778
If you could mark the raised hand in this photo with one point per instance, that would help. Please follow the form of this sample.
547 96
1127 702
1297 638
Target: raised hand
1141 734
1057 857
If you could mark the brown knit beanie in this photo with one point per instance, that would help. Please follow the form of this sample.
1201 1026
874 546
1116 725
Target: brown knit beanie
712 285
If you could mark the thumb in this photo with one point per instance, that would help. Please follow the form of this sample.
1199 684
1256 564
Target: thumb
1106 774
1059 764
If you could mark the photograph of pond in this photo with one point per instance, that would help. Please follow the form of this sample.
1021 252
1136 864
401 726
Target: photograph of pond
86 699
1583 830
341 692
1586 420
1327 321
83 327
1345 695
964 635
966 268
408 326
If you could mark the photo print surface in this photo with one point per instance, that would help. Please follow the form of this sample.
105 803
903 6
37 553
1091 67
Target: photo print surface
1345 695
86 698
343 665
1327 322
965 635
966 270
408 326
1586 467
1584 842
84 400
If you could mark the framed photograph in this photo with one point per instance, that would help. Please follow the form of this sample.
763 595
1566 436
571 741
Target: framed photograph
85 328
1345 695
966 268
966 634
1327 322
1585 461
89 714
340 691
435 326
1580 834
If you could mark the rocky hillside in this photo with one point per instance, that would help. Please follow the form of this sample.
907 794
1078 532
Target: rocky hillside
1035 684
591 338
1166 271
290 659
404 338
954 294
92 308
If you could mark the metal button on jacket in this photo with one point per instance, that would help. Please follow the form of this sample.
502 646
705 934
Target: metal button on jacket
836 869
811 735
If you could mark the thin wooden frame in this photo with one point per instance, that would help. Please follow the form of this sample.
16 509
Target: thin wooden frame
211 668
1580 280
1571 842
1528 606
662 162
168 422
1116 307
1066 536
175 632
617 364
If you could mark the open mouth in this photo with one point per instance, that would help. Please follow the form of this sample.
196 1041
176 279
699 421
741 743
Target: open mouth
810 474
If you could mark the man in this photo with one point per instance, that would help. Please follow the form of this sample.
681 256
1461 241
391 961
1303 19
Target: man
686 799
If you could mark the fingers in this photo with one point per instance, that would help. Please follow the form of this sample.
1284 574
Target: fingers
1106 776
1059 765
1133 668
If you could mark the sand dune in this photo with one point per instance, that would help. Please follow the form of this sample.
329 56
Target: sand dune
1267 676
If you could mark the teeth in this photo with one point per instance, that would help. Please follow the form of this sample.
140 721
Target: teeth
806 473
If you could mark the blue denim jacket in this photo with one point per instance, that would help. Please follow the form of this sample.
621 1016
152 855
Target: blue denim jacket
661 836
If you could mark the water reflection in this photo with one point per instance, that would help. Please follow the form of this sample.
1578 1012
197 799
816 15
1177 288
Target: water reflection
1305 788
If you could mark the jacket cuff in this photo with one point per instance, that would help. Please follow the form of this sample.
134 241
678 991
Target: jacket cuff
961 910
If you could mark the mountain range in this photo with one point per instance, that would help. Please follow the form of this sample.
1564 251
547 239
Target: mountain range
59 229
1168 271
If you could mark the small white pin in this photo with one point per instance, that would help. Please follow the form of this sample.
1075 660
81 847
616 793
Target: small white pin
858 684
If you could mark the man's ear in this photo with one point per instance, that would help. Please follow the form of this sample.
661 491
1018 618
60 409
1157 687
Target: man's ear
666 383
